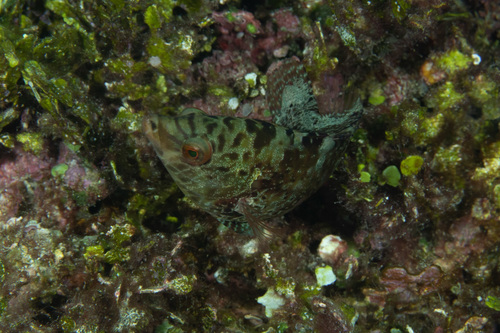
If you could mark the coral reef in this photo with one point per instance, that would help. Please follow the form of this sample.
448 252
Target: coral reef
96 237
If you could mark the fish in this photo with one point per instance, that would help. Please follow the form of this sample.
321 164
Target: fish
248 172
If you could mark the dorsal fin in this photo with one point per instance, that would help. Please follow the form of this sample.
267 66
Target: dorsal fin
288 73
292 103
191 110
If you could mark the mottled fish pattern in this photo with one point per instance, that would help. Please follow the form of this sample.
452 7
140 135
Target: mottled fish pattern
245 170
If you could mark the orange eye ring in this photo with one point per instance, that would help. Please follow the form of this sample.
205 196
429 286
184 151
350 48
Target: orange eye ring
196 151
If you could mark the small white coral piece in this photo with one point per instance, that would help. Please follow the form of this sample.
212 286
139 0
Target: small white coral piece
272 301
325 276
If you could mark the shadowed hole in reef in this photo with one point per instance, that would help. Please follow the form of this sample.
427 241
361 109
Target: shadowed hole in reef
162 223
47 312
324 211
118 198
179 12
94 209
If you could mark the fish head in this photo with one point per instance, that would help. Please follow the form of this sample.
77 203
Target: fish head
182 145
176 141
201 155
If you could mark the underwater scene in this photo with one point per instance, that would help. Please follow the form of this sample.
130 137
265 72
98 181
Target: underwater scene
250 166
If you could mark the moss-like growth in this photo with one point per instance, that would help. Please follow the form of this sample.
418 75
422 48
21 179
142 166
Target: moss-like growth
453 61
447 159
32 142
94 251
182 285
486 93
445 97
496 195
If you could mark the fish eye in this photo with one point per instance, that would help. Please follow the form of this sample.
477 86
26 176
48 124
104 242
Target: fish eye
196 151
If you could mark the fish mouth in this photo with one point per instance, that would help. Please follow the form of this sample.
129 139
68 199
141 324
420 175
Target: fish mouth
150 124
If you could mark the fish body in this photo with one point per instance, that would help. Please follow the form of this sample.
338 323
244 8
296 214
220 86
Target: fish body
246 170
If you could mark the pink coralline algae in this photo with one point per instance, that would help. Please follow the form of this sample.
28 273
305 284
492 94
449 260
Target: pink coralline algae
466 238
397 88
27 181
82 177
18 171
243 34
289 27
404 288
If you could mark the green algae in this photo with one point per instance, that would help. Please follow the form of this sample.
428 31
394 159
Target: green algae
364 176
117 255
7 140
399 9
347 36
296 239
453 61
76 20
411 165
493 303
182 285
154 17
9 53
127 119
173 55
8 116
376 97
32 142
94 252
251 28
67 324
59 170
111 248
486 92
2 272
496 196
416 123
167 327
3 305
121 233
282 328
285 286
221 91
127 69
391 175
445 97
447 159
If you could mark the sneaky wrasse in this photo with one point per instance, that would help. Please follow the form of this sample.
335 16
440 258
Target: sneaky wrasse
244 170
